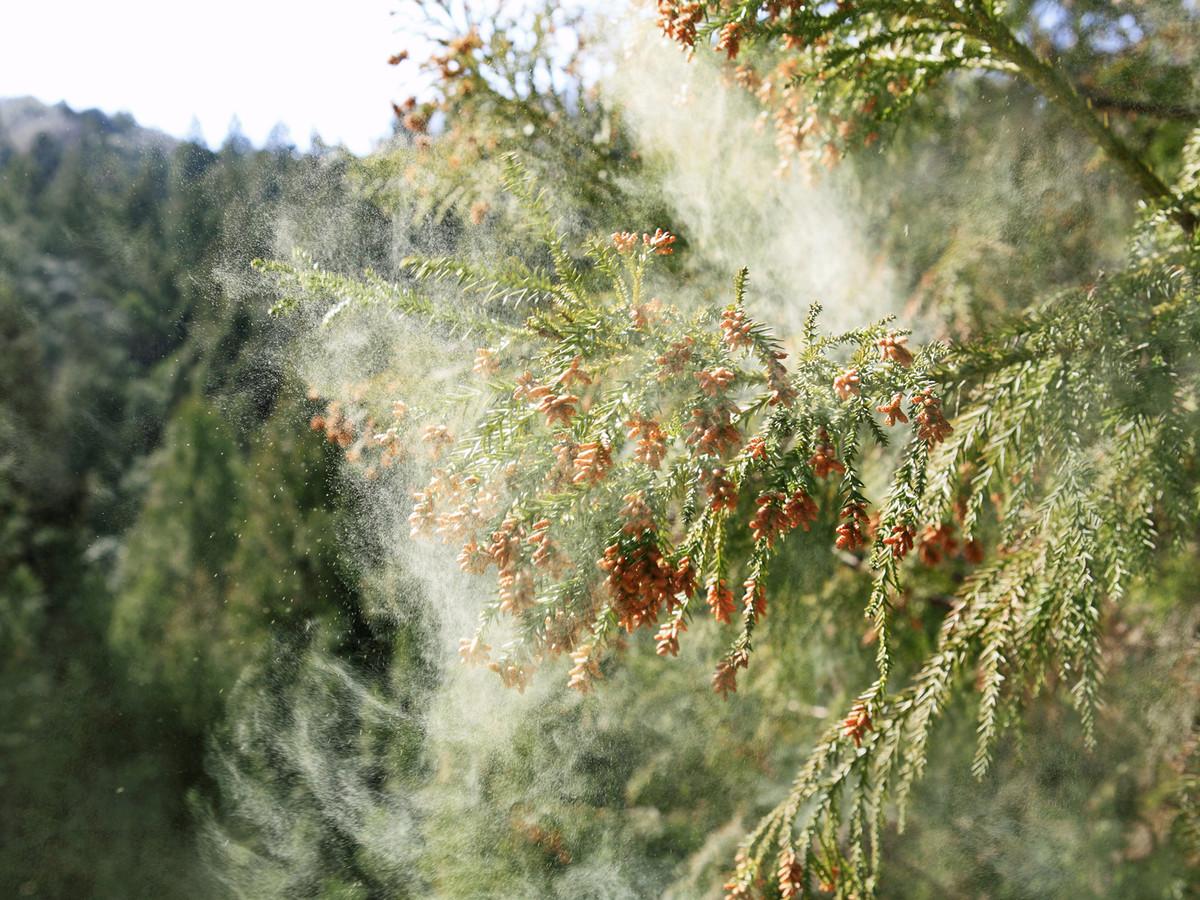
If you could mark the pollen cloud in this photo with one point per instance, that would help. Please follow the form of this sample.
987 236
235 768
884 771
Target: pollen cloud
720 171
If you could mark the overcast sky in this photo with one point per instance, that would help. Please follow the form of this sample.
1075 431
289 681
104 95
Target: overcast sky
310 64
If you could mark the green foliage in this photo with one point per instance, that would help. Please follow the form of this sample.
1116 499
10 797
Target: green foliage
188 527
197 603
1083 399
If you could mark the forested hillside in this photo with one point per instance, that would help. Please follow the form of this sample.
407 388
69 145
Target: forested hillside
244 391
166 511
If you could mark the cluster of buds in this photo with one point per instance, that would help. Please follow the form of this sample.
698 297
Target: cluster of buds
756 447
729 40
794 117
800 509
790 875
512 675
515 580
636 514
467 508
714 381
545 550
892 346
778 513
423 519
937 542
573 374
414 118
624 241
900 540
592 463
584 670
824 460
562 630
754 597
932 426
526 384
642 314
848 384
338 429
666 641
722 493
778 383
801 134
676 357
472 558
661 242
438 438
486 364
891 411
720 600
745 883
972 551
465 43
651 441
455 62
462 520
736 328
559 409
851 534
777 9
712 431
548 840
473 651
505 545
641 581
745 76
478 211
393 449
563 470
679 21
857 724
516 591
724 680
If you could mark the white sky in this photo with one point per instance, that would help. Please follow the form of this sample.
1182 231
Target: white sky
311 64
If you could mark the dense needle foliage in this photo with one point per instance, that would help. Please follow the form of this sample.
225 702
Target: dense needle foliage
626 442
